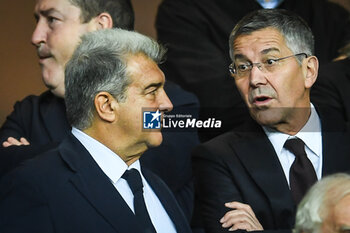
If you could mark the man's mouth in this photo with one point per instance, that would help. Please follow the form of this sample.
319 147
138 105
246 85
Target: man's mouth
42 59
43 54
261 100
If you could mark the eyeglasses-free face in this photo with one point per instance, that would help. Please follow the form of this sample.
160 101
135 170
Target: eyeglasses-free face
268 65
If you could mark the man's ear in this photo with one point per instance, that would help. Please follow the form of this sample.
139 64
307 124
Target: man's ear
106 106
311 71
104 20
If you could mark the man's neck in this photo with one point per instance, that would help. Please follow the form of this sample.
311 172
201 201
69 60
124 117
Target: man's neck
128 153
295 123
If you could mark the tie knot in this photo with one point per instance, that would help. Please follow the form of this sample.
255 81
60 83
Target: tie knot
296 146
134 180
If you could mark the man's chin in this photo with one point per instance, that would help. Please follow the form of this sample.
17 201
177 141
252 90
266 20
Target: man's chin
56 90
156 140
267 117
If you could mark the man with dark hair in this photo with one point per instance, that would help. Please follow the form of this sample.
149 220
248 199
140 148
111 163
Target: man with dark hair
93 181
39 123
252 178
121 12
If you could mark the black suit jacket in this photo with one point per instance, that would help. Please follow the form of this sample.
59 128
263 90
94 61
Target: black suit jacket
196 33
64 190
332 87
243 166
42 120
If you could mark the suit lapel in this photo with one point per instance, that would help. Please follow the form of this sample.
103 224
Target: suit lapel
96 187
168 201
260 160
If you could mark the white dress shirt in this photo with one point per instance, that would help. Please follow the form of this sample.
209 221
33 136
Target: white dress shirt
114 167
311 135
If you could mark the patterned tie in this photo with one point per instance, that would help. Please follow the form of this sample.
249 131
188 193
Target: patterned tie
134 180
302 174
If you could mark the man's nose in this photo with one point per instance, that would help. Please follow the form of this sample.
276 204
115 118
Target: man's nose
39 34
165 103
257 76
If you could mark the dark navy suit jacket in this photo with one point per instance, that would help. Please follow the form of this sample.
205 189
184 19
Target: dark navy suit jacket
332 88
64 190
42 120
243 166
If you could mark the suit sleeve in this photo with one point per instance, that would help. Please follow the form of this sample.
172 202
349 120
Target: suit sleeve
14 125
215 185
23 207
20 124
11 157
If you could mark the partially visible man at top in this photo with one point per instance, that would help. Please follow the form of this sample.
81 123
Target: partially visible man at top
252 178
39 123
326 207
93 181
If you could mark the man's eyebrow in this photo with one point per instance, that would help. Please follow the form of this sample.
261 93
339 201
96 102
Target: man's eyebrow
266 51
156 85
45 12
240 56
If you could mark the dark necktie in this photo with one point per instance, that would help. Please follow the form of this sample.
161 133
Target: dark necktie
302 173
134 180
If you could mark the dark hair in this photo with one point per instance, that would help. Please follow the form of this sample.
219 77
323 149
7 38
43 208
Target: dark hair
121 11
298 35
100 64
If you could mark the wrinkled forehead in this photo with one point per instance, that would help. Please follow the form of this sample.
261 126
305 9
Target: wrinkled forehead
263 41
46 5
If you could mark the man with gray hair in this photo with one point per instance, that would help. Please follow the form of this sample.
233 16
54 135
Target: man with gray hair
39 123
252 178
326 206
93 181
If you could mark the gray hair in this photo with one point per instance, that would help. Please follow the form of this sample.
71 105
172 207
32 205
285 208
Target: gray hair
314 207
296 32
100 64
121 11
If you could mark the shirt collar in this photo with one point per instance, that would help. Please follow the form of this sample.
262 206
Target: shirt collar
310 134
110 163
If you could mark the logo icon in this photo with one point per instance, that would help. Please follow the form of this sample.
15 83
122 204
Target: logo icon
151 120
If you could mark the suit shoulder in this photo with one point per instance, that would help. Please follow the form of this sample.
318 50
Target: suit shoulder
219 146
222 139
42 168
35 99
31 104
